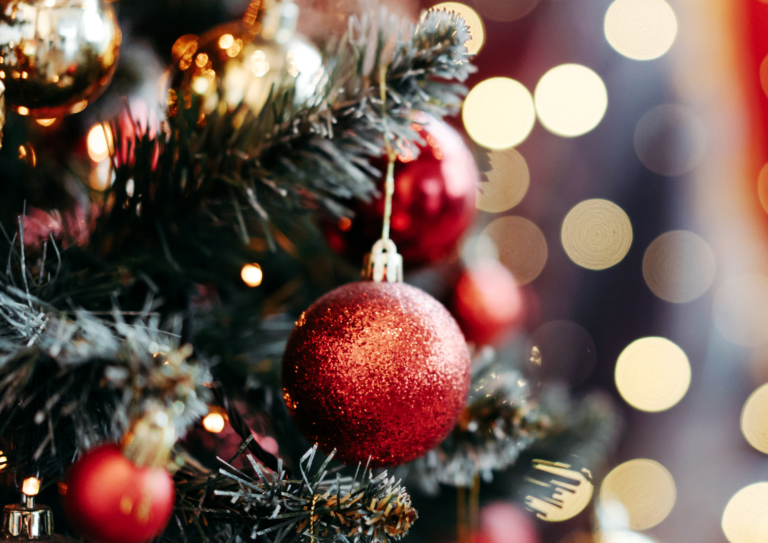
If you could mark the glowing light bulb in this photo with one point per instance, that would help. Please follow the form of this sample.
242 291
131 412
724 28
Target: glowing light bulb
31 486
252 275
98 144
213 422
226 41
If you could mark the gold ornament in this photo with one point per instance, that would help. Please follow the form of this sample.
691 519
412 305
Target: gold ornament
56 56
242 62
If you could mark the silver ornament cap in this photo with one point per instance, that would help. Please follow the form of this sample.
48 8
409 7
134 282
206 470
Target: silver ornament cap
27 519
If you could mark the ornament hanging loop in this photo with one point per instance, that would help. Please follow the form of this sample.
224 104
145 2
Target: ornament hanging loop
383 261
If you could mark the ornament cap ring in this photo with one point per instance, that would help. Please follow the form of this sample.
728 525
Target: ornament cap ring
34 522
383 261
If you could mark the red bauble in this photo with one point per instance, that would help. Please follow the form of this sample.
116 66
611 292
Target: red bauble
487 303
377 369
502 522
111 500
433 204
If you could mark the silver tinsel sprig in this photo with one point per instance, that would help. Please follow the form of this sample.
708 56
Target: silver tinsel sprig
498 423
80 378
321 506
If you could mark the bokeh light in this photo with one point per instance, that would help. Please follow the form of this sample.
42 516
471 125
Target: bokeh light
473 20
679 266
499 113
596 234
653 374
745 519
764 75
214 423
646 490
754 419
521 247
741 310
98 142
30 486
565 352
570 100
507 184
252 275
567 493
3 461
670 140
640 29
45 122
505 10
762 187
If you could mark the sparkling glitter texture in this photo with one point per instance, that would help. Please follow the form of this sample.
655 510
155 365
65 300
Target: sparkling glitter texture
376 369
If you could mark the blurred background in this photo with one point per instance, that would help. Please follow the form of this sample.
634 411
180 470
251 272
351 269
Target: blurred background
626 145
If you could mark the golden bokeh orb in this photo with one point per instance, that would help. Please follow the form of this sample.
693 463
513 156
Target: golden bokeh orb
762 187
214 423
473 20
640 29
745 519
653 374
754 419
252 275
644 488
30 486
571 100
508 182
679 266
596 234
99 141
499 113
521 246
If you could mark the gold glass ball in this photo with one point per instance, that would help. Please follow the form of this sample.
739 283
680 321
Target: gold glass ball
56 56
236 64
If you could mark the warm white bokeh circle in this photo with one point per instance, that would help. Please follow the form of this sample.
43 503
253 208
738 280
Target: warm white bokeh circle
499 113
641 29
571 100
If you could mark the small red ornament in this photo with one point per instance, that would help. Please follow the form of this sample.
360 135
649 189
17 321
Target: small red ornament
111 500
487 303
433 204
377 369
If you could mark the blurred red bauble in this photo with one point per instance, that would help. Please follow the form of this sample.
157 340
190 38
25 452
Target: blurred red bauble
377 369
433 204
111 500
487 303
502 522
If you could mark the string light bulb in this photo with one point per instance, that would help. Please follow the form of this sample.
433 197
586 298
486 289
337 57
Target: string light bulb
252 275
214 423
31 486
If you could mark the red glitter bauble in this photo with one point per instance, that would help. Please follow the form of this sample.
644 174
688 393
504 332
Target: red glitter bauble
376 369
111 500
487 303
433 204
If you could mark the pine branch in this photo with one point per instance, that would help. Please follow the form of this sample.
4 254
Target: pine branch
318 506
71 379
502 421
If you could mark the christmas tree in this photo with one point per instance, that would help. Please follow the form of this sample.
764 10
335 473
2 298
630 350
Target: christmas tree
186 350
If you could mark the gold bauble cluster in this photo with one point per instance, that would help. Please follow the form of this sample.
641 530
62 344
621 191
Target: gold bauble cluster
241 63
56 56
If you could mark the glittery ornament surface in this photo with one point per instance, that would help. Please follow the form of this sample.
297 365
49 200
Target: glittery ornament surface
376 369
